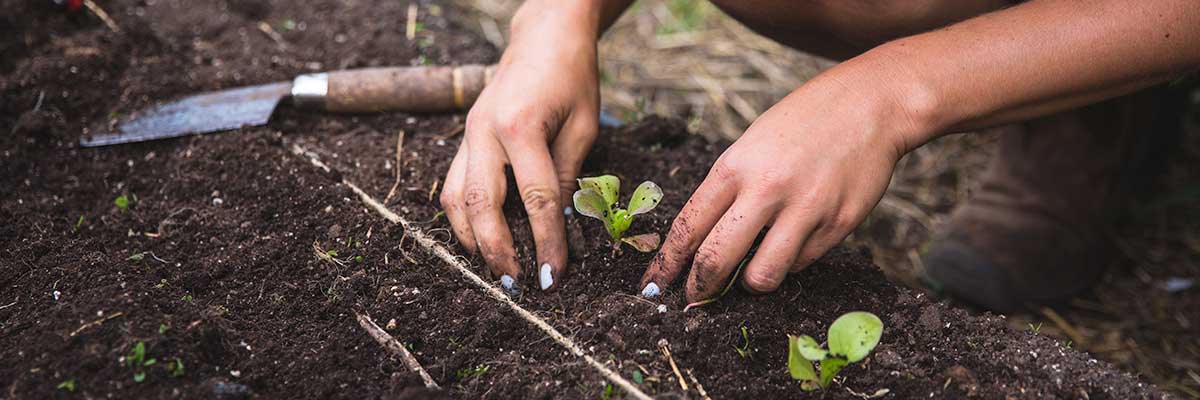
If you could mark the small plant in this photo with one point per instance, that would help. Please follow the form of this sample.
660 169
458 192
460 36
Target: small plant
597 198
175 368
122 202
473 371
136 359
744 350
78 224
608 391
851 338
68 385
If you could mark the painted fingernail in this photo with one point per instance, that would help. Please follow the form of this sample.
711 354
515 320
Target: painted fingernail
650 290
545 277
568 211
510 285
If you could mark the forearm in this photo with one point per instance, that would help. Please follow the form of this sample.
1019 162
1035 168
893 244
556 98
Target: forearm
1030 60
577 17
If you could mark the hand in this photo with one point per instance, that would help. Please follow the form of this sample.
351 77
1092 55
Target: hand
539 115
810 169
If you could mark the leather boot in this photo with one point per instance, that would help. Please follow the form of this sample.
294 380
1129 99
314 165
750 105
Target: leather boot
1038 230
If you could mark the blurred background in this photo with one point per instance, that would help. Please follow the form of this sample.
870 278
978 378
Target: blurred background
685 59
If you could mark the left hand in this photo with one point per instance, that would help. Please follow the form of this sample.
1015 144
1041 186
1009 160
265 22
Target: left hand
810 168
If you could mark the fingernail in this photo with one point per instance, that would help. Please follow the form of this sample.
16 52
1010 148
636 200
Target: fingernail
545 277
568 211
650 290
510 285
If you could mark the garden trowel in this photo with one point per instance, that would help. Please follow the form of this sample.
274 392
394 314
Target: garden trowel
369 90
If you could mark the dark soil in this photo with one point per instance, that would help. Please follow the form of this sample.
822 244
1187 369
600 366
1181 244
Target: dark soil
215 263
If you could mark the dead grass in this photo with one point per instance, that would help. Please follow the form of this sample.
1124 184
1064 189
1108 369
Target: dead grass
685 58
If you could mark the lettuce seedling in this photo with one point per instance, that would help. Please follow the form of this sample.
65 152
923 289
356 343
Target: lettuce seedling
851 337
597 198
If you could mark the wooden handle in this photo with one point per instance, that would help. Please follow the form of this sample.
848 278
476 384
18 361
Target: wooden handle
409 89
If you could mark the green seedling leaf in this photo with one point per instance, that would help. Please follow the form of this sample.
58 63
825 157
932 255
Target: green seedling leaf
176 368
637 377
645 197
854 335
829 369
68 385
122 202
137 355
139 256
619 224
78 224
800 368
646 242
810 349
590 203
139 377
607 186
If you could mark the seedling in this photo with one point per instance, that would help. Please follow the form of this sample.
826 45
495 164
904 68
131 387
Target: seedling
137 360
851 338
176 368
78 224
473 371
68 385
744 350
597 198
122 202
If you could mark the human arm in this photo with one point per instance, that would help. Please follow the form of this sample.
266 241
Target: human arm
814 165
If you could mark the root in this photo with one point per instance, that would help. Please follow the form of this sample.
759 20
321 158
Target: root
665 347
96 323
399 166
393 346
455 263
95 9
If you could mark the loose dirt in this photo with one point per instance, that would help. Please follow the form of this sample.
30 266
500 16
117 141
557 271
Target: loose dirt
245 263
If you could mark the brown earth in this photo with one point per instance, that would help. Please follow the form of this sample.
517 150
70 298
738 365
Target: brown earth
215 262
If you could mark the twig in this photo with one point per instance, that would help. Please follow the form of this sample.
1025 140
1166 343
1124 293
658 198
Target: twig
272 33
10 304
458 264
1067 328
89 325
91 5
399 160
699 388
411 28
393 346
433 188
665 347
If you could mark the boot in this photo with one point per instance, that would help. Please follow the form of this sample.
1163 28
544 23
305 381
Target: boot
1038 231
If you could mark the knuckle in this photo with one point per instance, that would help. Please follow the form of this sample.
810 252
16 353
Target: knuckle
516 124
539 199
761 281
448 199
725 168
843 221
477 197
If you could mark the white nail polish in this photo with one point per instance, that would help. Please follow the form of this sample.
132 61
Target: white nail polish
545 277
568 211
506 282
650 290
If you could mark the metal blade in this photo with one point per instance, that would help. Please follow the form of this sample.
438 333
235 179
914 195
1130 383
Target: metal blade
201 113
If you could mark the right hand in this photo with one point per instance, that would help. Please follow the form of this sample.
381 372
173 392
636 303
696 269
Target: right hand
538 114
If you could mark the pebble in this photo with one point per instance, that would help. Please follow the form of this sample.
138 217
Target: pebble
217 201
662 308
